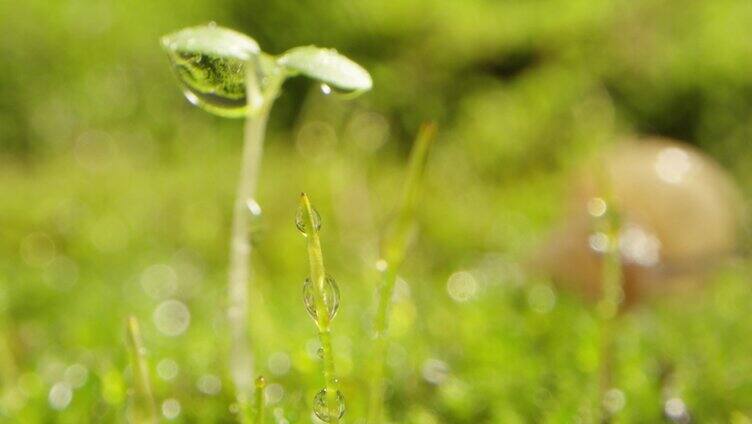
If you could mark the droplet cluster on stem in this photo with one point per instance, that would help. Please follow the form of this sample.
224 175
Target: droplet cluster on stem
321 300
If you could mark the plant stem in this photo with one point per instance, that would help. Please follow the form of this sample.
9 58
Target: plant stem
143 407
241 358
260 385
318 276
393 251
608 310
609 306
240 272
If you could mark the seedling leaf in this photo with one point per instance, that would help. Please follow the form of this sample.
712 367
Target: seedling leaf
212 40
327 66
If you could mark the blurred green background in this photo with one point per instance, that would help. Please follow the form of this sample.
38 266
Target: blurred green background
116 195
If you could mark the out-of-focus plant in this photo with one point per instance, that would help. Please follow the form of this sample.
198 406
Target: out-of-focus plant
142 409
321 297
260 386
225 73
393 248
8 369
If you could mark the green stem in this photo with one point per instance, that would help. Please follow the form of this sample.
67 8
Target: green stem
393 251
241 359
260 385
318 277
609 306
240 272
143 408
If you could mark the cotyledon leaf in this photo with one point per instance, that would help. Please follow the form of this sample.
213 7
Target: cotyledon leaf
327 66
211 63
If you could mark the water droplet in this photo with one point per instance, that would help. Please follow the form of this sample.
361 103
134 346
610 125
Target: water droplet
335 91
599 242
172 317
672 165
171 408
253 207
435 371
676 410
210 62
330 293
159 281
323 411
597 207
614 400
382 265
167 369
312 347
279 363
255 219
76 375
209 384
462 286
541 298
38 250
638 246
274 393
60 396
300 220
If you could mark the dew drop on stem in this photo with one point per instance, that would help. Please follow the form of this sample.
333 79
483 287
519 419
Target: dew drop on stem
321 406
331 297
301 224
254 218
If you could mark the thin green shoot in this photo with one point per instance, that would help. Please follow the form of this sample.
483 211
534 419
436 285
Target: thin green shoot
260 386
612 291
393 250
318 277
142 409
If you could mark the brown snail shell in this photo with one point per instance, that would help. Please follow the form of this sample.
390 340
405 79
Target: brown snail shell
679 214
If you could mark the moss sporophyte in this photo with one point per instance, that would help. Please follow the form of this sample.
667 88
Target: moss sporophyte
321 298
227 74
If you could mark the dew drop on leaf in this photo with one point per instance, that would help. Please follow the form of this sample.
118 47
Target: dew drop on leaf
321 406
210 62
331 297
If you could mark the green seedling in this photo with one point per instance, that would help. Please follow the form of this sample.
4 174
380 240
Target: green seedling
321 298
225 73
393 249
142 409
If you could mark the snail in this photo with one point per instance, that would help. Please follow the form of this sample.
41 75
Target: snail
679 214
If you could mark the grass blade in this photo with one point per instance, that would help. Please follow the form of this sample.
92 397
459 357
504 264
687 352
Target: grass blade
142 408
393 250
